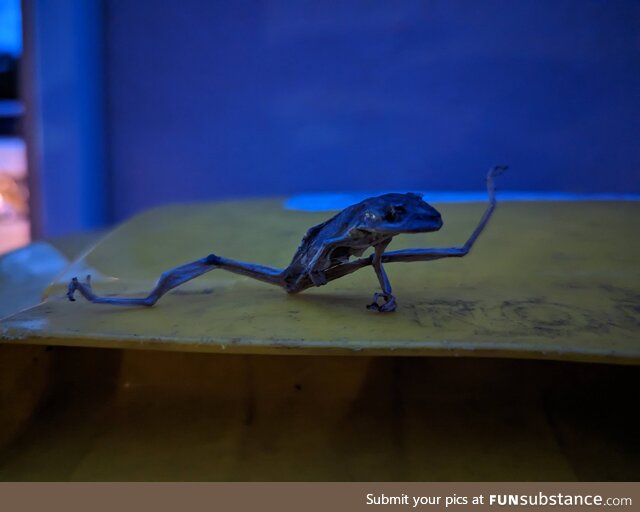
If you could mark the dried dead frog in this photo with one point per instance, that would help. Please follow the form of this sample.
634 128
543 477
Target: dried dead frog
325 251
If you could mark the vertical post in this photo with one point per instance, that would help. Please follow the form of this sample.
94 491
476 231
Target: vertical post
64 98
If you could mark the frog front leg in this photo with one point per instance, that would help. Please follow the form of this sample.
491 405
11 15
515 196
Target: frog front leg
389 305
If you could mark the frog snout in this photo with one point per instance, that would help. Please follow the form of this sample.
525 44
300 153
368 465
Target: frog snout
431 221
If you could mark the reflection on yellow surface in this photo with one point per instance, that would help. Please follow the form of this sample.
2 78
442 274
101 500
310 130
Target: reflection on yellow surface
97 414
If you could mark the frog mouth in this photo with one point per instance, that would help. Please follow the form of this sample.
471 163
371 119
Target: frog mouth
427 226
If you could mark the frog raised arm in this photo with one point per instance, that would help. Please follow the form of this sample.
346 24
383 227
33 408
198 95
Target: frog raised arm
326 250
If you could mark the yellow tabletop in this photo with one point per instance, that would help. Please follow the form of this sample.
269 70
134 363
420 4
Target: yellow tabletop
545 281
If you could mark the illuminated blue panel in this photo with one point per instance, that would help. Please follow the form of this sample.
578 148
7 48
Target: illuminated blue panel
10 27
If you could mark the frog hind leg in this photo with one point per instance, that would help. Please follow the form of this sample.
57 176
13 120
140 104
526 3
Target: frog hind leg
177 276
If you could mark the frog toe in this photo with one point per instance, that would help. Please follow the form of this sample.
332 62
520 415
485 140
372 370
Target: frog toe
388 306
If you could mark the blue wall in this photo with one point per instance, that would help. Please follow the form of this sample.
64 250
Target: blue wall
62 88
211 99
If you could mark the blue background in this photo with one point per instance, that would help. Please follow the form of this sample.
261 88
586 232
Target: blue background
147 102
218 99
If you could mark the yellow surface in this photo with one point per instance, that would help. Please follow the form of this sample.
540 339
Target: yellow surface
545 280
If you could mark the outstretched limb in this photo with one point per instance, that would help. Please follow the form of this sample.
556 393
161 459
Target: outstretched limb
177 276
389 303
449 252
408 255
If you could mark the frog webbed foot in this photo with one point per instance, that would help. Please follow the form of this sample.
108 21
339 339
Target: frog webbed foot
388 306
83 288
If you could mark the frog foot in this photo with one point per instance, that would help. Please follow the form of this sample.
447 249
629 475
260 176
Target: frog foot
84 288
388 306
318 278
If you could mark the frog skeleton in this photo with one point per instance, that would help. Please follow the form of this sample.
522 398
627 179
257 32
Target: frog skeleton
326 250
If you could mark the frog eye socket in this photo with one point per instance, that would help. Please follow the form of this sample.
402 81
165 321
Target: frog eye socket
395 213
